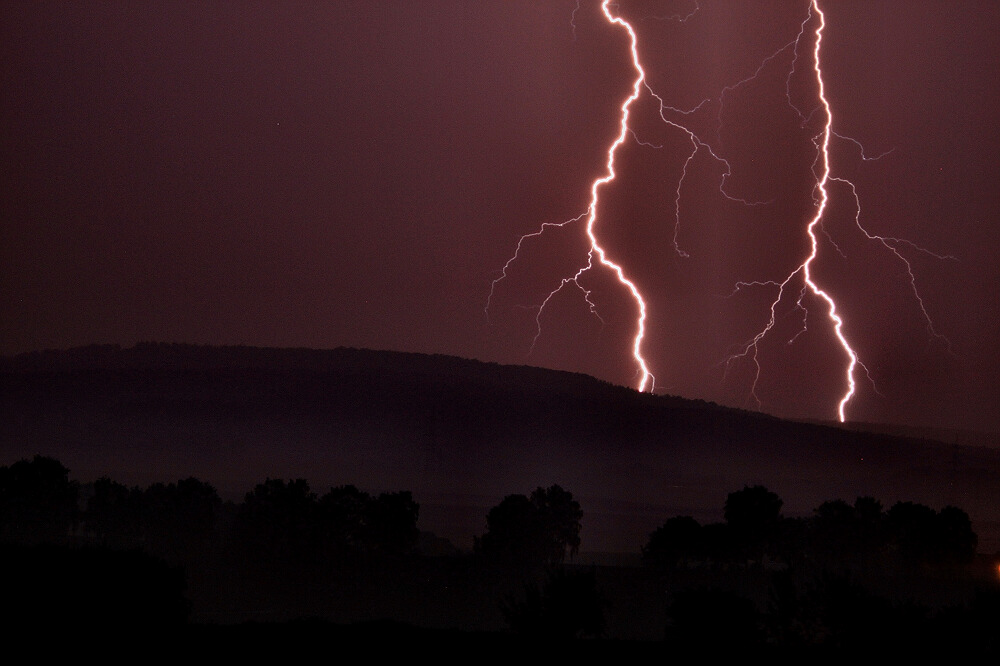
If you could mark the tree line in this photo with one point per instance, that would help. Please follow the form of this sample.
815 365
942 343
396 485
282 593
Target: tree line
755 532
39 503
107 542
277 519
128 546
851 579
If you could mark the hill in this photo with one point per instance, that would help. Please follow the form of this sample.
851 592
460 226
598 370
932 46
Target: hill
460 434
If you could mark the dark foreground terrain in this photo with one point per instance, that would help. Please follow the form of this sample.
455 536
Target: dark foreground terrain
407 505
454 609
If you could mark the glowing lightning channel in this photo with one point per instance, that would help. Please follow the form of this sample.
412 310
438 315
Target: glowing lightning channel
838 323
821 198
824 156
646 380
822 172
823 159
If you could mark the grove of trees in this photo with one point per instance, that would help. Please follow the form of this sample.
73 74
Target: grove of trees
838 533
847 580
124 553
538 529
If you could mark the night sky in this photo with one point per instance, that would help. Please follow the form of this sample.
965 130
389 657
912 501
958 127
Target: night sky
324 174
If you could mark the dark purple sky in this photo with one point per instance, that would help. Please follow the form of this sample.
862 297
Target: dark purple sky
329 174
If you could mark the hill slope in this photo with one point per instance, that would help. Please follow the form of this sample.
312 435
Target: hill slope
460 434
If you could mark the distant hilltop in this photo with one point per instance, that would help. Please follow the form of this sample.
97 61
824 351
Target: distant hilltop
459 433
184 356
188 357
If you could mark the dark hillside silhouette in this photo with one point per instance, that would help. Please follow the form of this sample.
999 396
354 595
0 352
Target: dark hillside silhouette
459 434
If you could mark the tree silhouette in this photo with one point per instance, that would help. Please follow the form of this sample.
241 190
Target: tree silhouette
113 516
677 541
919 535
956 540
179 519
846 534
353 520
513 531
344 512
834 531
719 544
175 520
870 524
38 502
752 515
533 531
911 530
279 519
391 521
560 517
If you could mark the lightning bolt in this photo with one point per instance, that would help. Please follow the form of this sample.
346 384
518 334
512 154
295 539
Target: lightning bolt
680 18
596 250
804 269
646 379
822 197
800 283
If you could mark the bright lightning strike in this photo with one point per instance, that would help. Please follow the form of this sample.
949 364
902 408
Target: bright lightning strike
646 379
800 283
805 268
838 323
822 198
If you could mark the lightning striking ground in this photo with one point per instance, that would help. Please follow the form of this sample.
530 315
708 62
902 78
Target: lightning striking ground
800 282
646 379
822 197
805 268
